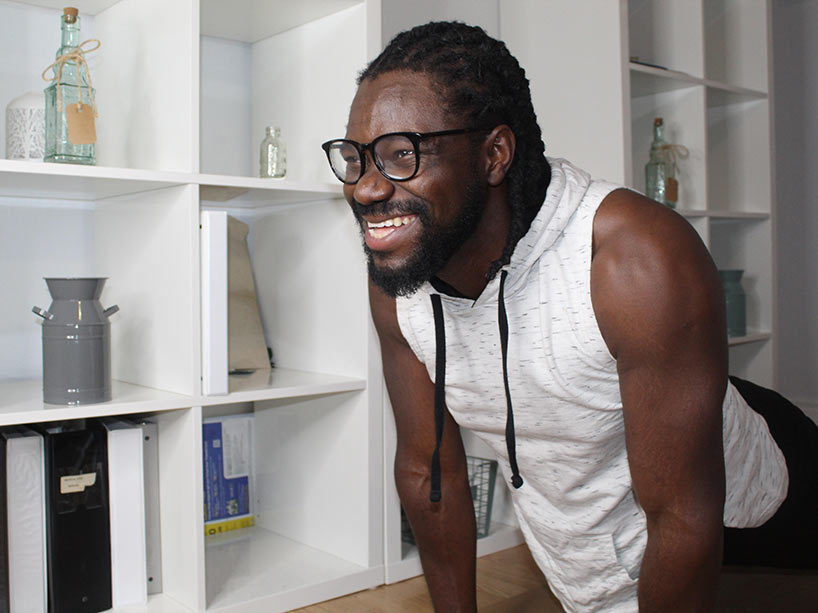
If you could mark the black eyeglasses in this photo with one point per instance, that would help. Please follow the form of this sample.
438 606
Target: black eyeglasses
396 155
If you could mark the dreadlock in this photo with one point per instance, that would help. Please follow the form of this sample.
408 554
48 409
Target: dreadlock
483 83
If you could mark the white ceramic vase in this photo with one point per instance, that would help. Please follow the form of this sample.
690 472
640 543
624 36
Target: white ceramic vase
25 127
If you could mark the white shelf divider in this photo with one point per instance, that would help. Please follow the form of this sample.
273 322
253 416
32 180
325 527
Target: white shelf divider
75 182
255 191
21 402
263 18
724 216
255 569
648 80
750 337
43 181
282 383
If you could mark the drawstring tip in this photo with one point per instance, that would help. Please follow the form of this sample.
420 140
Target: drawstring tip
434 496
517 481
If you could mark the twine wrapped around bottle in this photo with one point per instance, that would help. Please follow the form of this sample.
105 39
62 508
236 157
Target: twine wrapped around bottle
77 55
671 152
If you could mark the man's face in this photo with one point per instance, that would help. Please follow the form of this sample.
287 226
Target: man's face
412 228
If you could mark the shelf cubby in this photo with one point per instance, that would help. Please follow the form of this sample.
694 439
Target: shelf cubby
736 42
313 531
253 75
739 157
682 111
666 33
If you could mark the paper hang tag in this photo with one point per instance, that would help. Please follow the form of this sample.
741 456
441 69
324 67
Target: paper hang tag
672 190
81 127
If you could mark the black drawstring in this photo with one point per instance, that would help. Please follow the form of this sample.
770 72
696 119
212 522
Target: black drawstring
440 393
511 442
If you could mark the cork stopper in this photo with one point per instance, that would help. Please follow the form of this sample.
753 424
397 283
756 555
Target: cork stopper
658 121
70 14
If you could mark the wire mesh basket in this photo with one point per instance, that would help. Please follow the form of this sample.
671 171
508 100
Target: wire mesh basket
482 476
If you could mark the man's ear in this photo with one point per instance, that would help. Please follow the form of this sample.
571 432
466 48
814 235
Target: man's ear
501 145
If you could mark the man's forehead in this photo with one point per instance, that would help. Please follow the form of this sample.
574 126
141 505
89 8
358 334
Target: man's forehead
394 101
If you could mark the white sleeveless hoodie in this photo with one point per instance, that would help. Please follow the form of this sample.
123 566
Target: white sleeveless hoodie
576 507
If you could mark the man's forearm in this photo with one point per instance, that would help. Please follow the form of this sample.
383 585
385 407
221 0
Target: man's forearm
445 532
680 568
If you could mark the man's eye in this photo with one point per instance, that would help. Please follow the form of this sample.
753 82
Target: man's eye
403 156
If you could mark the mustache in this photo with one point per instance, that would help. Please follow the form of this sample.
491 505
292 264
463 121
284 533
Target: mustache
391 209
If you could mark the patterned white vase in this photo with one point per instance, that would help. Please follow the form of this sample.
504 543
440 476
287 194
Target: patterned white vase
25 127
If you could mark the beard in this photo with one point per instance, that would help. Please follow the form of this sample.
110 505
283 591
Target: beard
435 247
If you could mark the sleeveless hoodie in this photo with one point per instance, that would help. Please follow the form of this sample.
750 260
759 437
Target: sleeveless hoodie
563 443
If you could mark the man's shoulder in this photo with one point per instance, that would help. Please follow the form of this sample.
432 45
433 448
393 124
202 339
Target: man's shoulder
628 219
649 267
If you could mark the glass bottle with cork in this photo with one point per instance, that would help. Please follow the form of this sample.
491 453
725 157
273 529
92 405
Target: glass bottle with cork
660 181
69 100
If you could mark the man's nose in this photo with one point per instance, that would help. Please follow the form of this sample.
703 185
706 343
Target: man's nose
372 186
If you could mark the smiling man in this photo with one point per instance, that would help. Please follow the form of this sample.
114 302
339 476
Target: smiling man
575 326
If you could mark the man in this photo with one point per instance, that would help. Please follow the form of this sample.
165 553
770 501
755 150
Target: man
575 326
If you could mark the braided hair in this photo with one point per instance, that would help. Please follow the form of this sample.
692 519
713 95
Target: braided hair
483 83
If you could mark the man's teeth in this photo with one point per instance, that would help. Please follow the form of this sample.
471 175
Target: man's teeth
389 223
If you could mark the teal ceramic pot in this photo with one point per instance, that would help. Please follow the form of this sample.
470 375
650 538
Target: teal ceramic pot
735 301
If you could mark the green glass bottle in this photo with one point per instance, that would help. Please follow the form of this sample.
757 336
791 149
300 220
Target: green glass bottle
58 148
658 170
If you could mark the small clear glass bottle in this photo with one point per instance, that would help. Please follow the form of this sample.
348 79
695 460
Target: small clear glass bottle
658 170
273 154
58 148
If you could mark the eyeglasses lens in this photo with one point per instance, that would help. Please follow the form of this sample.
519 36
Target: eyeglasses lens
396 156
345 161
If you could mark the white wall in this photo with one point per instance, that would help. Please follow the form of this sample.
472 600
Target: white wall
795 82
225 108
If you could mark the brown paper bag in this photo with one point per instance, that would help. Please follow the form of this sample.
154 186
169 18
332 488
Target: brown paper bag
246 347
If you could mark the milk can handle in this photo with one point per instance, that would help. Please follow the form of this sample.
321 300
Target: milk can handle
43 313
111 310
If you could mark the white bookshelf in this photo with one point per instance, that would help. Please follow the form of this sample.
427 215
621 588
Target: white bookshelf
171 129
704 66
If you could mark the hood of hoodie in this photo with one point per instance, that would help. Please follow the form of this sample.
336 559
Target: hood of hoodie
562 199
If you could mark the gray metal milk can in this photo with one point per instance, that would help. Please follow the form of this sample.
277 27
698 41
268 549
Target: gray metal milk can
76 342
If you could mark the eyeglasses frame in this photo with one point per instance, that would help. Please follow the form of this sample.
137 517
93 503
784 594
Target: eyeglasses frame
415 137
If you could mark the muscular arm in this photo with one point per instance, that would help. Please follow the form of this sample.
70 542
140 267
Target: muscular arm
659 304
444 531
